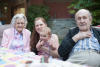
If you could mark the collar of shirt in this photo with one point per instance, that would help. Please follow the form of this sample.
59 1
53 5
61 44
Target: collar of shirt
17 33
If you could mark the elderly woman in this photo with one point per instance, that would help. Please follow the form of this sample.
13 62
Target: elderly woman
17 37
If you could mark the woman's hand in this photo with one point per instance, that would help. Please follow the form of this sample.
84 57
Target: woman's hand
52 47
52 44
44 49
53 53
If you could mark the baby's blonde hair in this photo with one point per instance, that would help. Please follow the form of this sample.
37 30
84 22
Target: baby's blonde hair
46 30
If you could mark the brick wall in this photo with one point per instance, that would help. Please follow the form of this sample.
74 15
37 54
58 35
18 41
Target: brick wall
57 9
61 26
36 2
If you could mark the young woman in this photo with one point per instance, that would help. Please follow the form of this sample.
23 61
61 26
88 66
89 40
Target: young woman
40 23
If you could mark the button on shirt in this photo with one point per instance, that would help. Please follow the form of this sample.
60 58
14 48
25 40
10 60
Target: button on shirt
87 44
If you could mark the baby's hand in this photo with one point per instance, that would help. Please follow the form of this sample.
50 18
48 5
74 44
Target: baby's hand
39 44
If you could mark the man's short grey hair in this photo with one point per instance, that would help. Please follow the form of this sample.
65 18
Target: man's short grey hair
18 16
85 10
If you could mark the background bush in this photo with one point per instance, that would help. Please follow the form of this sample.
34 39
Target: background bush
36 11
92 5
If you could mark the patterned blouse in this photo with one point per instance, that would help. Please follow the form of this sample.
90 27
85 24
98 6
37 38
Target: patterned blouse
46 44
17 42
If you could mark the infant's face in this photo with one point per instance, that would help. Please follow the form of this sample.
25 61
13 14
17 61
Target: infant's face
44 36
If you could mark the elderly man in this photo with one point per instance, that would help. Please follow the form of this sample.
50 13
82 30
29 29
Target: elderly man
82 44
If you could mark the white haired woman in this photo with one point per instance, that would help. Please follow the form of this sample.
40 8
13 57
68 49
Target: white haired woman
17 37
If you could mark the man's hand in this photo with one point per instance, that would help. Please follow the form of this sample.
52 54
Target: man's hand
81 35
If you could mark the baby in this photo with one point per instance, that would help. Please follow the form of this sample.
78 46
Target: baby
46 41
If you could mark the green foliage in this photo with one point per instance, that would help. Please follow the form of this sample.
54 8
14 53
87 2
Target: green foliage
60 40
72 11
36 11
3 4
92 5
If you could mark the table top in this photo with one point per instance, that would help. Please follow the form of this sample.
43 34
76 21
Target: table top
11 58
